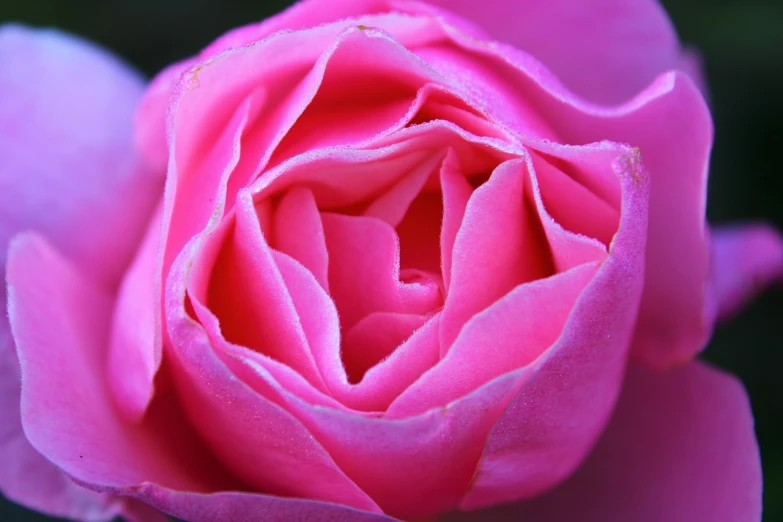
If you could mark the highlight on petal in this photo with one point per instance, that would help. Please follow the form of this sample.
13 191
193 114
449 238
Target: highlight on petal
745 260
680 447
66 111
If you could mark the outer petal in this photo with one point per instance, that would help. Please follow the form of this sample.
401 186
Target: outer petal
60 322
745 259
66 154
604 50
680 448
65 160
26 477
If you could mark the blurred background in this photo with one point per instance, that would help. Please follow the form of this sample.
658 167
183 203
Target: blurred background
741 42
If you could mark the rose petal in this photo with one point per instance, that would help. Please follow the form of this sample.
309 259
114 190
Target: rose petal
564 404
364 271
745 260
299 233
259 441
67 159
507 335
60 321
499 245
26 477
249 296
135 345
249 507
679 448
67 152
604 50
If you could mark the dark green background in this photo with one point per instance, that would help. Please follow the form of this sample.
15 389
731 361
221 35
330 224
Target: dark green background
742 45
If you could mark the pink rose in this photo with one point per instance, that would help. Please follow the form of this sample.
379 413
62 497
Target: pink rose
410 260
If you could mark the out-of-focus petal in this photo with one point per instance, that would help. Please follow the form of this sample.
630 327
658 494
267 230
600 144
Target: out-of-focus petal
679 448
745 260
67 170
68 165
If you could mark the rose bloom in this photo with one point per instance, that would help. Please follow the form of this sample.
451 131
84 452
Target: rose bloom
373 260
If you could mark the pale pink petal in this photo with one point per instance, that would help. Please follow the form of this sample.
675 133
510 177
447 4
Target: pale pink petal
604 50
745 260
69 169
679 448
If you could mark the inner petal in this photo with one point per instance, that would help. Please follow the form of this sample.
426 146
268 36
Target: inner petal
374 338
299 233
249 296
364 271
572 203
500 245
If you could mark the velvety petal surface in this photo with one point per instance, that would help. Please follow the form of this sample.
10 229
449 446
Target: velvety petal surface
680 447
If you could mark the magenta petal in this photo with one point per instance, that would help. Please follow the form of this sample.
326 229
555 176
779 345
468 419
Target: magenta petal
499 245
745 260
67 152
244 426
60 322
679 448
299 233
564 404
135 344
26 477
604 50
249 507
364 270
